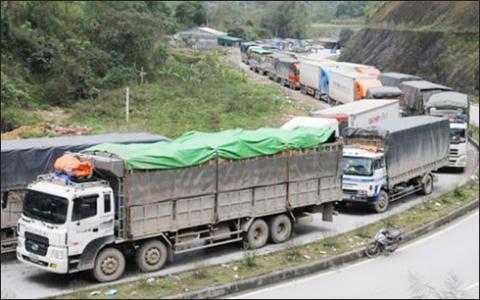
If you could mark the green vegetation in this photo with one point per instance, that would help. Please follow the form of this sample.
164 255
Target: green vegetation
408 220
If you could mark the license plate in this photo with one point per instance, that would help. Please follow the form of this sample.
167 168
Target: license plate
348 196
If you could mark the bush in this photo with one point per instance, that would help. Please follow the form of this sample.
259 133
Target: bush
118 76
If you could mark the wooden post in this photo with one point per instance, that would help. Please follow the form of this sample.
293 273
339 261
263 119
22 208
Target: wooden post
127 104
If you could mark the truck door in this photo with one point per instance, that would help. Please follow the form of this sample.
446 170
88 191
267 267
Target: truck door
85 222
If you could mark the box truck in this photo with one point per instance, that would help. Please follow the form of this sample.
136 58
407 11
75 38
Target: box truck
361 113
287 72
199 191
24 159
456 107
346 86
390 161
311 76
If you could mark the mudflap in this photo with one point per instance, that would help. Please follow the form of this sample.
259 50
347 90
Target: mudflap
327 214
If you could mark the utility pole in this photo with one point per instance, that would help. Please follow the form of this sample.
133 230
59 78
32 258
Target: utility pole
127 104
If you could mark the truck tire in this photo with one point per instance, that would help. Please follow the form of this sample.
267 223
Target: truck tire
151 256
427 186
280 228
381 204
109 265
257 234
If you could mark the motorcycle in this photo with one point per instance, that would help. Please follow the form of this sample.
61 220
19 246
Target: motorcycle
385 242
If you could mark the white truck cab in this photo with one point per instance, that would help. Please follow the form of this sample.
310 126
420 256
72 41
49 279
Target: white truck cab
364 174
458 145
62 220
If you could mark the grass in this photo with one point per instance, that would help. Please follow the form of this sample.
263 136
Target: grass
475 133
293 255
473 99
193 91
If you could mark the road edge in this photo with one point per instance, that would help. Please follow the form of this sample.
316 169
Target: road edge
308 269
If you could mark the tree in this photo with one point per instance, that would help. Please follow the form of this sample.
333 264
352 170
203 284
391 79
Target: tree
191 13
345 36
285 19
352 9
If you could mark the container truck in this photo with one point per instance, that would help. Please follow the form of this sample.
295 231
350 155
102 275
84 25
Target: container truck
310 76
394 79
362 113
24 159
256 59
312 122
287 72
244 51
456 107
346 86
199 191
269 65
390 161
359 68
417 93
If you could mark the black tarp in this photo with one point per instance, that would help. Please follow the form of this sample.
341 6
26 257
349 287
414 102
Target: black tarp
410 143
417 93
23 160
384 92
394 78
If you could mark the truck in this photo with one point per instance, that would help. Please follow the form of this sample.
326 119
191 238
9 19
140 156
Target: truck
347 86
384 92
416 95
287 72
244 51
363 113
256 59
393 160
312 122
24 159
198 191
394 79
456 107
310 75
270 62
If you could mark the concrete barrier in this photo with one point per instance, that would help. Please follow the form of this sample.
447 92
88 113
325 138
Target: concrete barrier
294 272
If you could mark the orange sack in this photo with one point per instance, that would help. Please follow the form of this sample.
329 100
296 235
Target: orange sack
72 166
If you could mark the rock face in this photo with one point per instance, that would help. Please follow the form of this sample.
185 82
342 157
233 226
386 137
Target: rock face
447 58
435 40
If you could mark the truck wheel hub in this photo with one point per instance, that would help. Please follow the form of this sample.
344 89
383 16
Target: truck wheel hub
281 228
152 256
109 265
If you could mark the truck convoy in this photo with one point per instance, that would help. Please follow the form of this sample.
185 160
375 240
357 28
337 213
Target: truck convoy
22 160
395 159
361 113
456 107
161 199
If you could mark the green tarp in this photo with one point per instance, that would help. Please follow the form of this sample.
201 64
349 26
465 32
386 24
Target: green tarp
195 147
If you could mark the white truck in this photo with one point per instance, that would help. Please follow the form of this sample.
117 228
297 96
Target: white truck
199 191
456 107
312 122
387 162
311 75
346 86
361 113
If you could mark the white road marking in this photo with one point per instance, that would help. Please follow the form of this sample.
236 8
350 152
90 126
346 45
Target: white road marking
443 230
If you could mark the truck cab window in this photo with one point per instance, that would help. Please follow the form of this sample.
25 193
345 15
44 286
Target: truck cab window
106 203
84 207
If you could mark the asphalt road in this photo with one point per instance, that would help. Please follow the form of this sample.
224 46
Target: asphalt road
445 263
36 283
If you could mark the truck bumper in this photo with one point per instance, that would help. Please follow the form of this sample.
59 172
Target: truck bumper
351 197
47 262
457 161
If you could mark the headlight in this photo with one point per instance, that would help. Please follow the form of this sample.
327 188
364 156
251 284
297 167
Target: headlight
362 192
57 254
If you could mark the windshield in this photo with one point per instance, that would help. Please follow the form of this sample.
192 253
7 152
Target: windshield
45 207
457 135
357 166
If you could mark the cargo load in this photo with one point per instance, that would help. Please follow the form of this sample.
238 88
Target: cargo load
384 92
417 94
394 79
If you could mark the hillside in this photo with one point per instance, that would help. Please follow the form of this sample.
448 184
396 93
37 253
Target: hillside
435 40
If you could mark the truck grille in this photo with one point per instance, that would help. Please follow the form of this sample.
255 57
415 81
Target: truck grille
453 151
36 244
350 192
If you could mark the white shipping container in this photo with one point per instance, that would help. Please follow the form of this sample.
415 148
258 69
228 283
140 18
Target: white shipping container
363 113
310 72
342 84
312 122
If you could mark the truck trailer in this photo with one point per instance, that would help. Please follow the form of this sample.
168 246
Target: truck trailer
394 79
24 159
346 86
312 122
287 72
361 113
311 76
456 107
388 162
199 191
417 94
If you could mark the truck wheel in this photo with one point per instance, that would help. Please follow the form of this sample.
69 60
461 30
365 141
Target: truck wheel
381 204
109 265
427 186
151 256
257 234
280 228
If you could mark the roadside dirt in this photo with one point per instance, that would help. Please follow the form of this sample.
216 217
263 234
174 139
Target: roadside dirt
306 101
